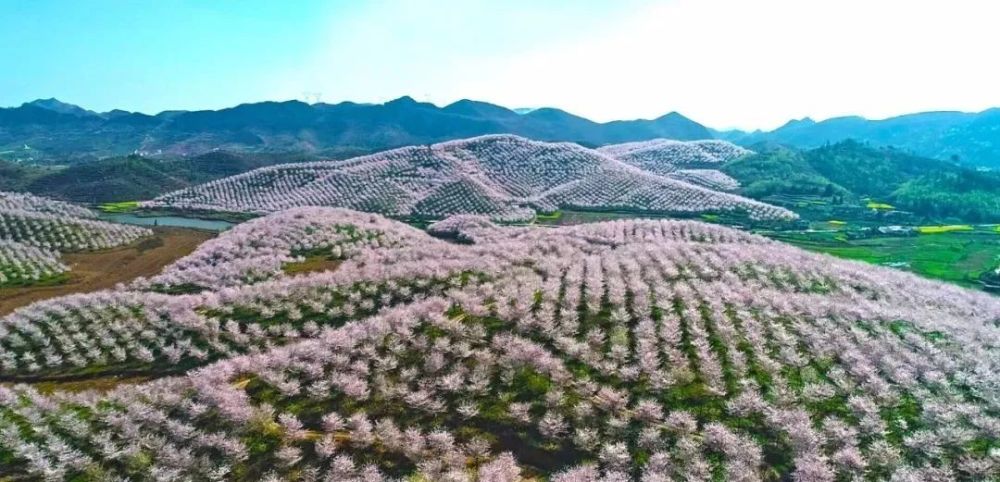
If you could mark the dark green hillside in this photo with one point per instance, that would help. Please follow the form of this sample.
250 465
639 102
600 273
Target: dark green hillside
136 177
834 179
777 170
53 132
869 171
115 179
969 195
16 176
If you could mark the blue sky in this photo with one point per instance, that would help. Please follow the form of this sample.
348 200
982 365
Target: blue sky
725 63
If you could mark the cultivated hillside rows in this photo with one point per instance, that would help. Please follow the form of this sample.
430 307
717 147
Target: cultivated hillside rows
709 178
256 250
46 223
626 350
23 264
662 156
34 229
29 202
504 177
64 232
694 162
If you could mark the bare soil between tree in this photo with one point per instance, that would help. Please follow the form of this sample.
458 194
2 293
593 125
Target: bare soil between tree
104 269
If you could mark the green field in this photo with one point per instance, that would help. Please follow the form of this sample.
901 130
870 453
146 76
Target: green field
960 257
119 207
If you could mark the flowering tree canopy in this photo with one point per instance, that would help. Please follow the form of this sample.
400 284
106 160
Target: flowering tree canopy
33 229
627 350
503 177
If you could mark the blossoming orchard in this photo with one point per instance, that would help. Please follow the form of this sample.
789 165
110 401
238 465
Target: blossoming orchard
504 177
23 264
615 351
33 230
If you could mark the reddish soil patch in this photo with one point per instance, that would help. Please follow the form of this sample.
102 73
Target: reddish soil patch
99 384
314 264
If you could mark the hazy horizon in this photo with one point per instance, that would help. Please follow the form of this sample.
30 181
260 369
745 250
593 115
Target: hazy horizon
604 61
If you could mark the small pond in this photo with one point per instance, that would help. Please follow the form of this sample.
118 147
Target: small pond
175 221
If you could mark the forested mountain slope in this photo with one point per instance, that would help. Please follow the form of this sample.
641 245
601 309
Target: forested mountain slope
132 177
52 131
851 172
970 138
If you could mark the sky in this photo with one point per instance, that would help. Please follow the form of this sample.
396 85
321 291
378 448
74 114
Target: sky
725 63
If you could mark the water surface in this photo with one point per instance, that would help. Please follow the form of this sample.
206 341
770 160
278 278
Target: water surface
175 221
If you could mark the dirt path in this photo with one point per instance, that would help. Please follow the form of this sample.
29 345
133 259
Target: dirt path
104 269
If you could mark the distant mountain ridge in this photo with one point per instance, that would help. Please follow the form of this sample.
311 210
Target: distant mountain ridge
970 138
50 130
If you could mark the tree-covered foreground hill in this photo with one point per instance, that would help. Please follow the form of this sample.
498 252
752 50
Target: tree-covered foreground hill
616 351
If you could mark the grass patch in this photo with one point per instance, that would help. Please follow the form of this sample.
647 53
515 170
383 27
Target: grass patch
54 280
99 384
553 216
959 257
119 207
951 228
879 206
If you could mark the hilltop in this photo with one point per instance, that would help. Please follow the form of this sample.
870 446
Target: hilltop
35 230
502 176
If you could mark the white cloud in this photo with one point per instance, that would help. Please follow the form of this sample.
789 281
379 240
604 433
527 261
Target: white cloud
721 62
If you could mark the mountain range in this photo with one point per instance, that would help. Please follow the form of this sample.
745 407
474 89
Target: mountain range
55 132
968 138
52 131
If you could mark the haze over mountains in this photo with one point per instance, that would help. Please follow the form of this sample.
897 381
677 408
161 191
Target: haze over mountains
51 131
